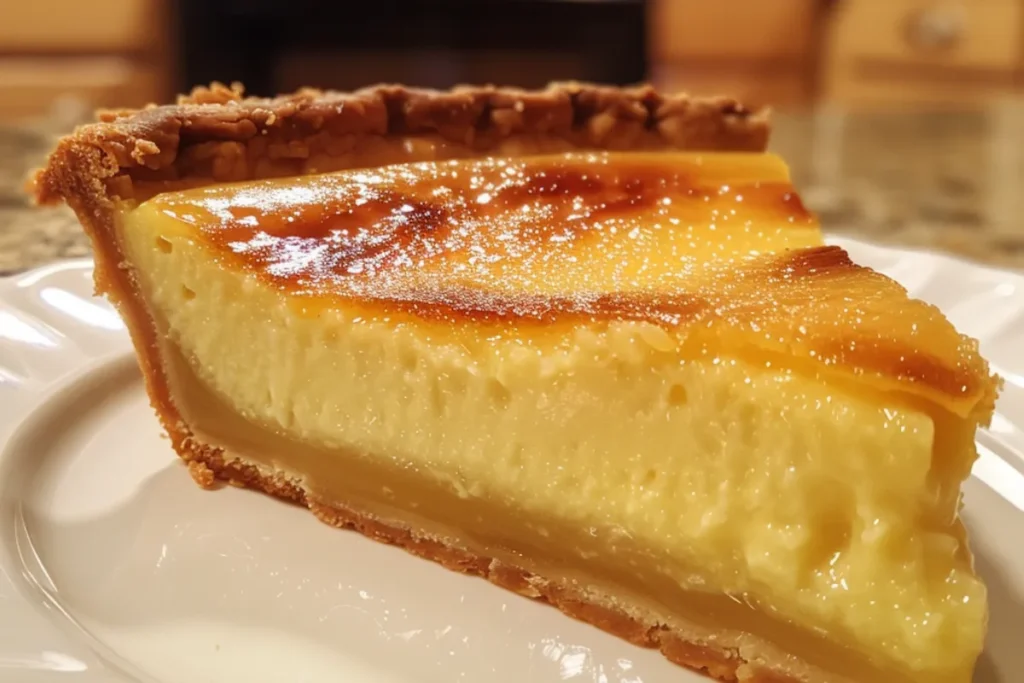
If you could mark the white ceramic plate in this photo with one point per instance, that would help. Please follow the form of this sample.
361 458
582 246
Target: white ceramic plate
114 566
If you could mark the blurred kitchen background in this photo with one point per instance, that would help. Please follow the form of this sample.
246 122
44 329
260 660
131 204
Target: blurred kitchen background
903 120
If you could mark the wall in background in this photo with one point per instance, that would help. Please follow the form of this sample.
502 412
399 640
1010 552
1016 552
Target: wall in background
788 53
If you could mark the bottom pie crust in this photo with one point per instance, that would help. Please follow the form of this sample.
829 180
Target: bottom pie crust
208 467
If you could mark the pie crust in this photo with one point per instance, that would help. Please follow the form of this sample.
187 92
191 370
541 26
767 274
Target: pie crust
216 135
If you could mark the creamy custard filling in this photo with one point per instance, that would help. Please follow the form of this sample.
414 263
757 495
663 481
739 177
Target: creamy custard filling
604 559
676 476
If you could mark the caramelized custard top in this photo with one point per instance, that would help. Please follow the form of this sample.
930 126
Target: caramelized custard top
715 244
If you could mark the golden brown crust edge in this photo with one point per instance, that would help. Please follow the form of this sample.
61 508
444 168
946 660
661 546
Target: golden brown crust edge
215 134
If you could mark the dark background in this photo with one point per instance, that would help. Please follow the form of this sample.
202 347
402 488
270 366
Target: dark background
278 46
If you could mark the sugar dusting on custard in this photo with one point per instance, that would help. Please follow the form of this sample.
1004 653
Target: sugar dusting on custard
556 226
719 243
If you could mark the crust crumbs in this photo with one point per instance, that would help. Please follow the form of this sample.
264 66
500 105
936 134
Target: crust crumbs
201 473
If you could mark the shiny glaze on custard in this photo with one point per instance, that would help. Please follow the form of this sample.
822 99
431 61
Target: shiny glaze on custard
411 233
702 244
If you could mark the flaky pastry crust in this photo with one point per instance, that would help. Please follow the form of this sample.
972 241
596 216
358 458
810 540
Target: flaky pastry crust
215 135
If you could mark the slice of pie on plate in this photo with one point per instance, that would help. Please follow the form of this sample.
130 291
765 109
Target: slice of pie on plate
585 342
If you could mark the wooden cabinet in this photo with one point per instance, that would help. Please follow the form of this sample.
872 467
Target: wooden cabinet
761 51
922 51
859 53
29 86
733 30
106 53
78 25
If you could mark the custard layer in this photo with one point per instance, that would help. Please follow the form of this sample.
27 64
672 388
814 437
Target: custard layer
712 248
400 498
782 485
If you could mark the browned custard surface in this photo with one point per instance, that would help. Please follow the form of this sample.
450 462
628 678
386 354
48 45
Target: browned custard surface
683 241
656 348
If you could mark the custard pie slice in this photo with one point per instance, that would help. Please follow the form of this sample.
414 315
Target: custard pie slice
584 342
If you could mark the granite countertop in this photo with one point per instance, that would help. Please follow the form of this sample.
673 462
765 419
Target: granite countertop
951 181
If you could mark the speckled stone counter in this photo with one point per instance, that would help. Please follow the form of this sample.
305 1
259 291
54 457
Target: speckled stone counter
951 181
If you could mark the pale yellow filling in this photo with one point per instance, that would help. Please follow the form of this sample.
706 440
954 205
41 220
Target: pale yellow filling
808 498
